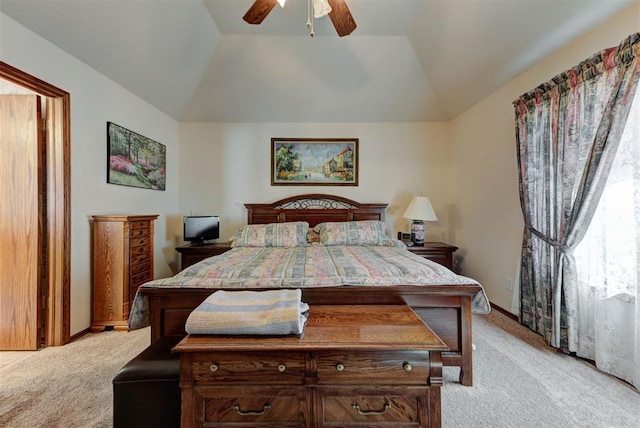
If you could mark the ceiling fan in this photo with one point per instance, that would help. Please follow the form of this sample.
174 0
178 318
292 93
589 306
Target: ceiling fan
337 9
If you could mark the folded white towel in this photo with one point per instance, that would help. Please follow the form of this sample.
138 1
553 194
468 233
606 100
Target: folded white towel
269 312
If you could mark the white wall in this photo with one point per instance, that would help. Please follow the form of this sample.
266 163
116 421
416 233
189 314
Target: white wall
225 165
94 101
484 178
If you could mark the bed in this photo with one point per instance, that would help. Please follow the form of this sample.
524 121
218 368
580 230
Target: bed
446 305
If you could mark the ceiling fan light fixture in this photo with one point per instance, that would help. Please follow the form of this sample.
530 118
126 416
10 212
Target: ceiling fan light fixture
321 8
282 2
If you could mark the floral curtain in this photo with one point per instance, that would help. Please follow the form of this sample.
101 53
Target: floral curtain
567 131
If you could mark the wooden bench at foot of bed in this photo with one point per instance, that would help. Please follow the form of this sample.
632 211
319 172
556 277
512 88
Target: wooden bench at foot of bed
446 309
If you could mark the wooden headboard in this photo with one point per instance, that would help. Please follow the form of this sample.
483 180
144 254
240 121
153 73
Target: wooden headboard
313 208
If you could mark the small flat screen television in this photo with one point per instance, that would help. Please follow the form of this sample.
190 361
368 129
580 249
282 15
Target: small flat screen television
201 228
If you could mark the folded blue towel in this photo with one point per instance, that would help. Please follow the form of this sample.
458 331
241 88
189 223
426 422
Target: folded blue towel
269 312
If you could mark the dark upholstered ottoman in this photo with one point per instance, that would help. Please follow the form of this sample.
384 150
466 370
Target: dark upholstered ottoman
146 390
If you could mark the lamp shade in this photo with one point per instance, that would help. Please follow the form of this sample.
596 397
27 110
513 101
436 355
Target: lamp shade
420 209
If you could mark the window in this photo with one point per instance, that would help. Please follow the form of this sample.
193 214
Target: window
609 254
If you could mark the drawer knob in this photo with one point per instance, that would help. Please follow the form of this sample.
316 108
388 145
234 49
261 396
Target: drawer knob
340 367
407 366
282 368
214 367
236 407
387 406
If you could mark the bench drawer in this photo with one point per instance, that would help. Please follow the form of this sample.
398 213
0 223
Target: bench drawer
253 407
250 368
398 407
373 367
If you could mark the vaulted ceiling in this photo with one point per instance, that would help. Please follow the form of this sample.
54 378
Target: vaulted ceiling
408 60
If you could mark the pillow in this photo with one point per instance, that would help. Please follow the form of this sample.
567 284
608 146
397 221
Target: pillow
369 232
287 235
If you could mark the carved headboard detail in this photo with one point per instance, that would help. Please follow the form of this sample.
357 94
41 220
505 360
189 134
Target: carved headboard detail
313 208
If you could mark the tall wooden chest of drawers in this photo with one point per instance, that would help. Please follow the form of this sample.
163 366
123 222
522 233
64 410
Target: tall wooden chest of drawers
122 261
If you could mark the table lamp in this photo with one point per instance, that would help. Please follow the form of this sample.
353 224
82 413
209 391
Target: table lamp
420 210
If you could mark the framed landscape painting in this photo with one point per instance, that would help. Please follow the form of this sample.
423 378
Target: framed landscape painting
135 160
314 161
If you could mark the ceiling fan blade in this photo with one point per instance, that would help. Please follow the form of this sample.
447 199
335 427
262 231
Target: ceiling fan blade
341 17
259 11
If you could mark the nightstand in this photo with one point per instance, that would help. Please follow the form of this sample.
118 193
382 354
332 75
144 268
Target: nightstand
439 252
192 254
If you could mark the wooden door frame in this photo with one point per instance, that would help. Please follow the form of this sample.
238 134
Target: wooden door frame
58 191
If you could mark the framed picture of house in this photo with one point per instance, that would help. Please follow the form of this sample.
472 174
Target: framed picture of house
134 160
314 161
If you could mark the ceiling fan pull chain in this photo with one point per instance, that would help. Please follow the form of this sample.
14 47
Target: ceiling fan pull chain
310 18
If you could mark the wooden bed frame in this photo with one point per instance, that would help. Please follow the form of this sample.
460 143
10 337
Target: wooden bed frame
446 309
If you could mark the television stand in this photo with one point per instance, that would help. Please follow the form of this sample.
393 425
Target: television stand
191 254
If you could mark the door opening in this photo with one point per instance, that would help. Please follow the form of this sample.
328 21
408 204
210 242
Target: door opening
53 204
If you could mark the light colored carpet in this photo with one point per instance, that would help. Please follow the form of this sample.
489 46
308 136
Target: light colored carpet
518 382
68 386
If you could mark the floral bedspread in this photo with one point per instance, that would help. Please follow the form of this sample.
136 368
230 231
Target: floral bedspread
310 266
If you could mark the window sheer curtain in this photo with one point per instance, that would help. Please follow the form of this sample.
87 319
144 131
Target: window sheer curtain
568 131
608 262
